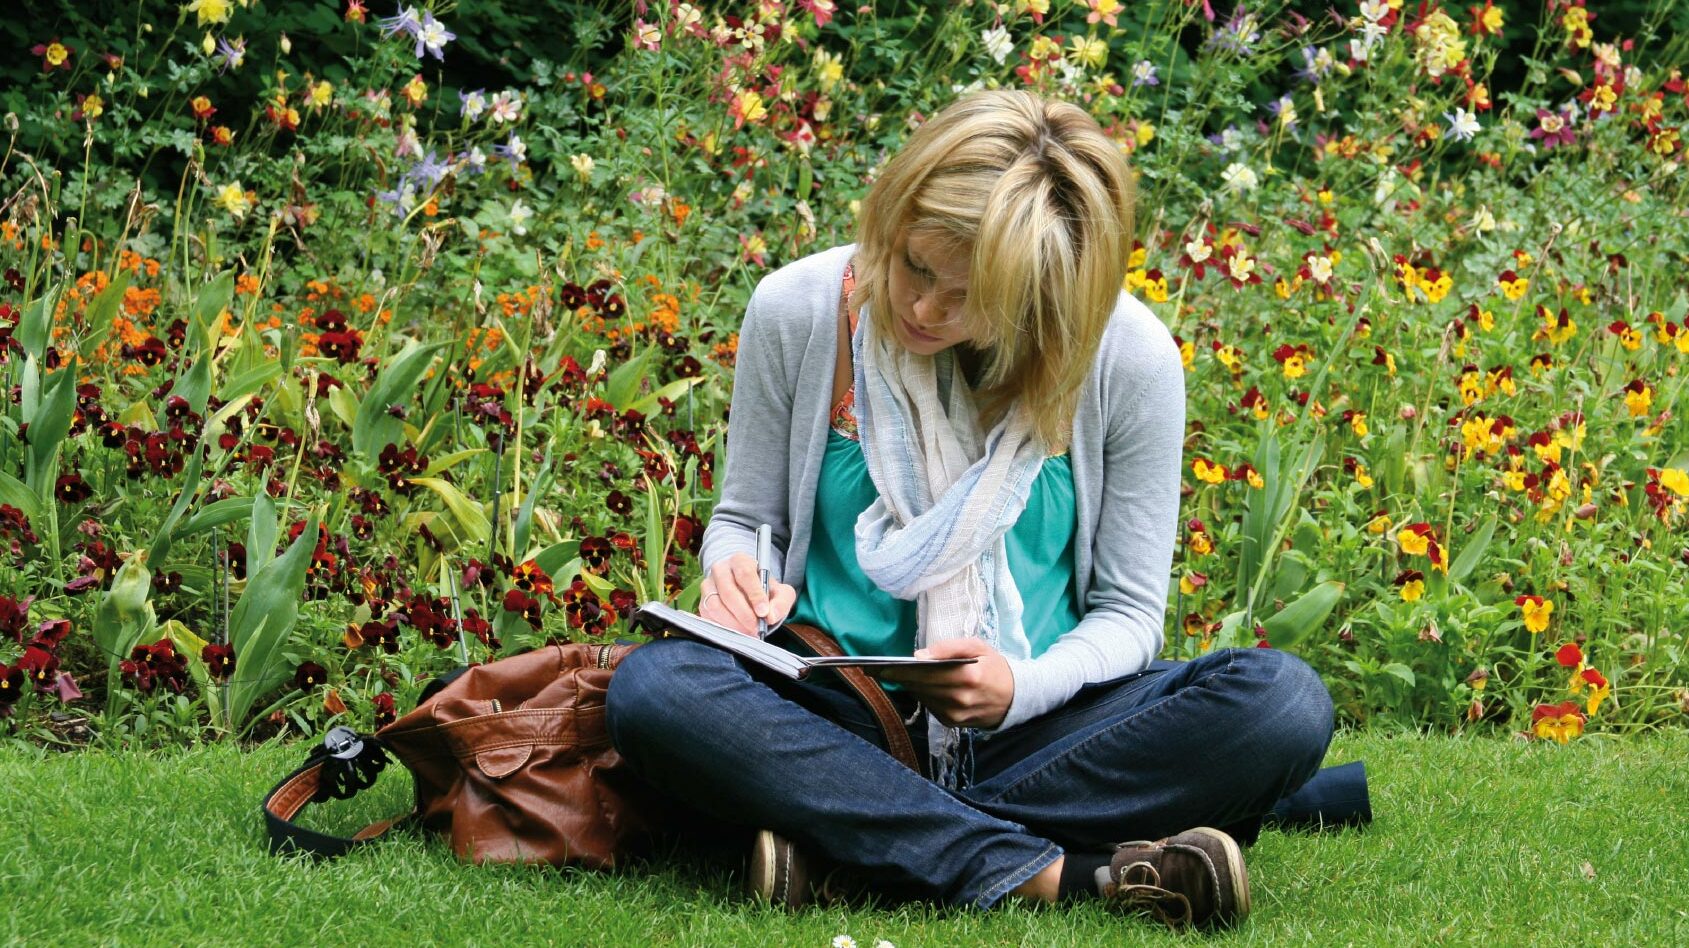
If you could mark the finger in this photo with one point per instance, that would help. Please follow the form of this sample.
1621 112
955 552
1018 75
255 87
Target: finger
750 583
732 600
783 599
955 648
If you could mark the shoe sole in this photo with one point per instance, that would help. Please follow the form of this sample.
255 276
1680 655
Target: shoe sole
1234 863
770 872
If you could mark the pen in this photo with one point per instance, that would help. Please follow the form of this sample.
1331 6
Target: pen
765 554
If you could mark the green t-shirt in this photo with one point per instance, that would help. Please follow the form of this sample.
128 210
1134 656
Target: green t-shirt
866 620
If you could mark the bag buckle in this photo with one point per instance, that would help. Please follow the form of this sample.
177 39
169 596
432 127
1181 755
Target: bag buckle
342 742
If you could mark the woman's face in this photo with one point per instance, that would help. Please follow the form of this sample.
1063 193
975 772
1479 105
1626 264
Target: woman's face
929 293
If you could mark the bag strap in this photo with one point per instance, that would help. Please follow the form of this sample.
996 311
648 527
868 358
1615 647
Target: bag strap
343 764
866 688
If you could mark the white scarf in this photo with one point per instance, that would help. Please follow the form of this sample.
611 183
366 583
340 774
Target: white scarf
948 493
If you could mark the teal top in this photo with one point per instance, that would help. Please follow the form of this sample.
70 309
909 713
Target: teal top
866 620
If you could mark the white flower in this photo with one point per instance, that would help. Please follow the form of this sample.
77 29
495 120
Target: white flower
1462 125
507 106
583 165
474 103
1358 50
1482 220
998 43
1375 10
477 159
1143 74
1239 178
843 941
519 216
685 16
882 943
599 357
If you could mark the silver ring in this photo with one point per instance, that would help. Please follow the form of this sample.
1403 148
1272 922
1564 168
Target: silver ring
715 594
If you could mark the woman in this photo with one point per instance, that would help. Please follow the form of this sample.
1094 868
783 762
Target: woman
966 439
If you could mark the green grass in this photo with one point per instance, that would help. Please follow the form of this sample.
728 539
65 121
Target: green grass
1476 841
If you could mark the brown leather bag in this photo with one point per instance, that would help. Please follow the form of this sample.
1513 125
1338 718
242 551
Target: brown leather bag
512 762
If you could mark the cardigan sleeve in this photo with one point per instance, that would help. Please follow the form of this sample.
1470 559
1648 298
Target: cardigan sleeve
1120 632
755 475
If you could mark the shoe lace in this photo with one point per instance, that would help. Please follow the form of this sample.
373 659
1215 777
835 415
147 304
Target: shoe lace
1140 887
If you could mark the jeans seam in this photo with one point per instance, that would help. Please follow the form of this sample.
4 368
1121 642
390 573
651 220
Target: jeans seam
1231 659
1018 876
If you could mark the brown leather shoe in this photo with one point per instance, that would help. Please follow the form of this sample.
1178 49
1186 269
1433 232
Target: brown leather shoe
1195 878
779 873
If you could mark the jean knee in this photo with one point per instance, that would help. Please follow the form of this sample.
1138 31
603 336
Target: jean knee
1302 711
643 702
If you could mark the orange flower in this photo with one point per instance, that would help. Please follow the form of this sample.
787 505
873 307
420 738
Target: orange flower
1558 722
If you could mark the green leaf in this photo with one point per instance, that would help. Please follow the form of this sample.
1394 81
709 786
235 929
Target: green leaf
555 559
125 613
194 384
250 380
1400 671
213 298
1309 612
103 309
374 428
622 385
536 488
467 512
36 324
261 533
47 430
160 545
227 510
1472 551
671 391
344 404
449 461
18 494
262 621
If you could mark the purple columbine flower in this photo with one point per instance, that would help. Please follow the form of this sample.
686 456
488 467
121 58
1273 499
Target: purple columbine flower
515 149
407 22
1143 74
233 53
1238 35
428 171
472 104
402 197
433 37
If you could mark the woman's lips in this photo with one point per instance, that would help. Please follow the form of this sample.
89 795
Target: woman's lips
916 334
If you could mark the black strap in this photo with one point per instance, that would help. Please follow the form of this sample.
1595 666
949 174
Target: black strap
345 763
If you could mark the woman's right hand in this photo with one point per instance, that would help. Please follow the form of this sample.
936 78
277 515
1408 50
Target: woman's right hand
733 597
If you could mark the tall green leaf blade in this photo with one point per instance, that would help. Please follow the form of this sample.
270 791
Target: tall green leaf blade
227 510
35 327
263 620
213 298
1310 610
1472 551
48 428
375 428
466 512
622 385
261 533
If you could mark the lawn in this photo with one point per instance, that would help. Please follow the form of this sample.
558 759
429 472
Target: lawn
1475 841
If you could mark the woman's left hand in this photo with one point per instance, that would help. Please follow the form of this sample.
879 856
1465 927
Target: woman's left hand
973 695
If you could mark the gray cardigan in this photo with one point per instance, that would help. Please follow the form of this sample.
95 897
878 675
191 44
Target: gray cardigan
1125 457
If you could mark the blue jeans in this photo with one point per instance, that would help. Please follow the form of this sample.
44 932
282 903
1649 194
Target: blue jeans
1216 741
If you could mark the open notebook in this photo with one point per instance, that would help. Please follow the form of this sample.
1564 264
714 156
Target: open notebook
662 619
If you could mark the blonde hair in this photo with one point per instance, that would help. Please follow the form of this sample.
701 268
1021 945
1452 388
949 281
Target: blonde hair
1041 199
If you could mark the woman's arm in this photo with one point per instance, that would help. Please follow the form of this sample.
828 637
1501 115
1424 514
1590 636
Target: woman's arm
754 487
1132 555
